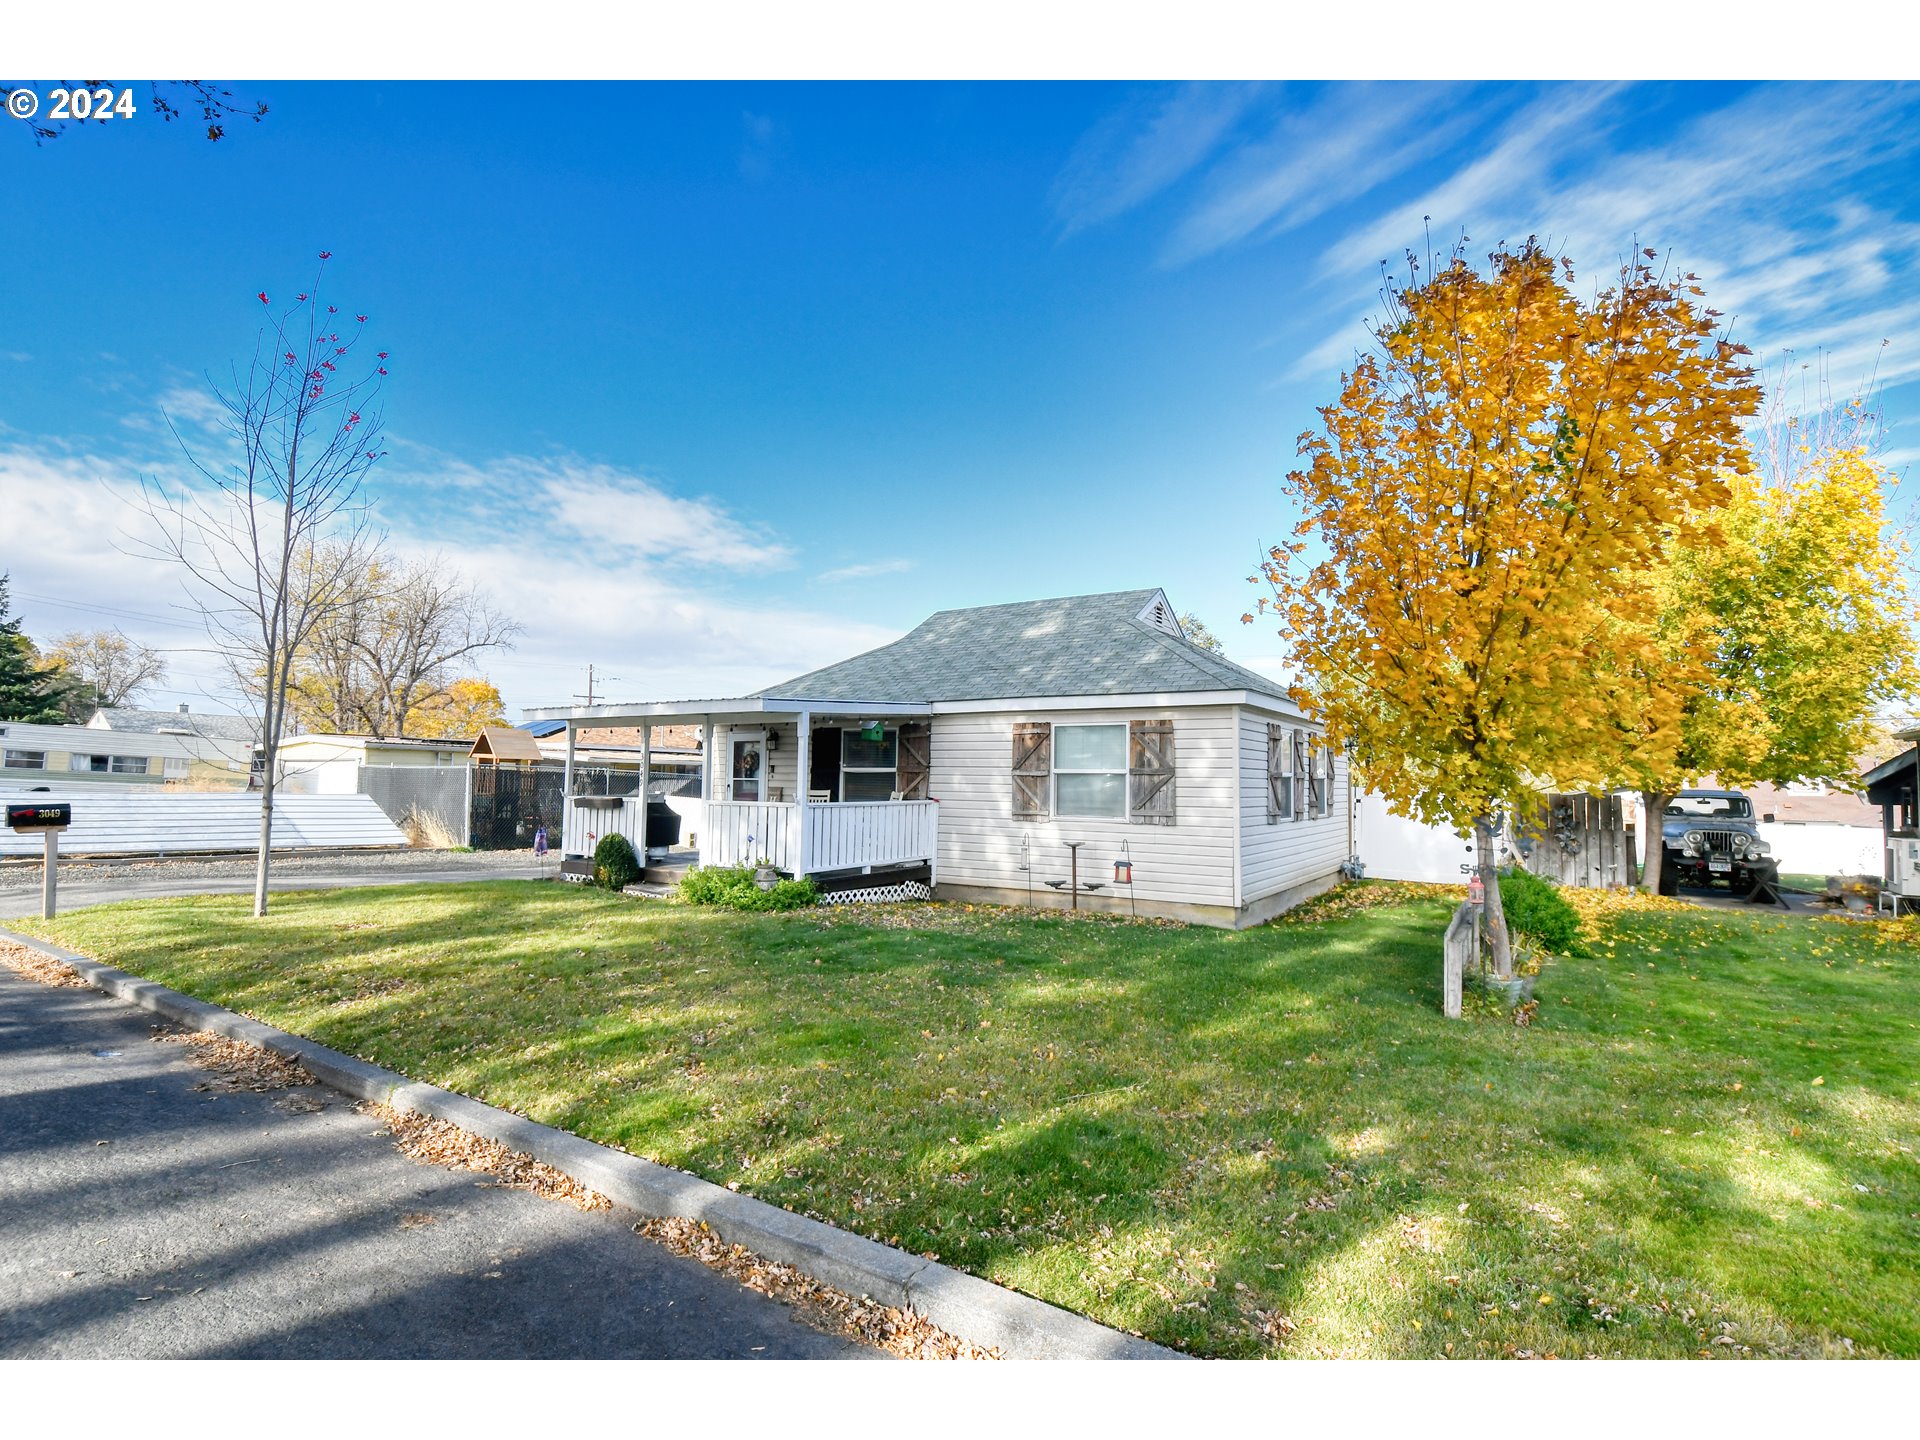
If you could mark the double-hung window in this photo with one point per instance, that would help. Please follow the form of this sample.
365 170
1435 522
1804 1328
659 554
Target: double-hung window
26 759
869 769
1090 771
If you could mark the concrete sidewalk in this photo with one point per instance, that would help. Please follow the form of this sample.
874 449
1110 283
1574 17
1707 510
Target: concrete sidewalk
144 1217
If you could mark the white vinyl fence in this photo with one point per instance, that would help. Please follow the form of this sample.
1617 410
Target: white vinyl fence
182 824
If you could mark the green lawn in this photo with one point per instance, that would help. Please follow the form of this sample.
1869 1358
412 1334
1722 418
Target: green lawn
1242 1144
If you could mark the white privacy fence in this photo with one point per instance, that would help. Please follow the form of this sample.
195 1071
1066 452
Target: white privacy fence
164 823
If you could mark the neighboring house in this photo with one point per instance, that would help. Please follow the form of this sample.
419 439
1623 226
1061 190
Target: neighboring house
330 764
132 749
971 754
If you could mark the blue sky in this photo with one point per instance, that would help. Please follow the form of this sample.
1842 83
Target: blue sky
712 383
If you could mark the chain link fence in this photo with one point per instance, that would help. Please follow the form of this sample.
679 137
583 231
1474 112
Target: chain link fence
428 802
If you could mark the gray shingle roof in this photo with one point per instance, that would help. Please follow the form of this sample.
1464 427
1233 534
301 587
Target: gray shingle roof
1075 645
157 722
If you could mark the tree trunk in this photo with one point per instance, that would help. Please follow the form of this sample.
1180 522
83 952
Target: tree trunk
1652 846
266 840
1499 943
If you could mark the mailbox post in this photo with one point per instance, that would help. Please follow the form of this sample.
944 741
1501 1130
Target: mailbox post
50 820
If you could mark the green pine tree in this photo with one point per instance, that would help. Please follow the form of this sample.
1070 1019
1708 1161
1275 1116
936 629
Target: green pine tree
30 692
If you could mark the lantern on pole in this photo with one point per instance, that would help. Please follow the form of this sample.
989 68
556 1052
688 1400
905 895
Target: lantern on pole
1476 892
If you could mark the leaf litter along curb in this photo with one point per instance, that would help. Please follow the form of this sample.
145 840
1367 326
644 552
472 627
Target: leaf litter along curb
32 965
236 1065
899 1332
440 1142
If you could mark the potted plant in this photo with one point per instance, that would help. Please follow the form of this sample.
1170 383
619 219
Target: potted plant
764 873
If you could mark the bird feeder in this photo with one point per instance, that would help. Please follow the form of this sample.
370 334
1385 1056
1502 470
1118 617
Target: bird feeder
1123 872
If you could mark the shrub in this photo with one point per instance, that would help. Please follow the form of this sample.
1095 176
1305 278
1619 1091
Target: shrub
733 889
1536 909
614 863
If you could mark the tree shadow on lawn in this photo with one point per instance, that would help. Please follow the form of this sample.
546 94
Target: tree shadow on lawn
1282 1109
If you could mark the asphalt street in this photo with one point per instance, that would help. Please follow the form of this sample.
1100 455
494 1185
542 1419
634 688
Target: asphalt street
145 1217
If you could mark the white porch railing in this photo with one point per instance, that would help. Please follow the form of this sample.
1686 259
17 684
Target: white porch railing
850 836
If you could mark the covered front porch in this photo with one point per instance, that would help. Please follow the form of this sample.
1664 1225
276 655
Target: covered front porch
812 789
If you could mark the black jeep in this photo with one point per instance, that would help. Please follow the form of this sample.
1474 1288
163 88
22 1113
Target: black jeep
1709 836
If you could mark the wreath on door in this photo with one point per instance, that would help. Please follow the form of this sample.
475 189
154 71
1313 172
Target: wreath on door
749 764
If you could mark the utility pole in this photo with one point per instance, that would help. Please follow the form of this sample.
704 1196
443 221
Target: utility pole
589 696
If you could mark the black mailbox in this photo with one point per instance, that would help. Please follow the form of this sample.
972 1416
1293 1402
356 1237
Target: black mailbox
39 817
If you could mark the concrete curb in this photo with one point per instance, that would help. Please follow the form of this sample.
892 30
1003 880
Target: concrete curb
964 1305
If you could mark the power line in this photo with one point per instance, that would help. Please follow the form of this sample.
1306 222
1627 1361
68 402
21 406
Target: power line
118 614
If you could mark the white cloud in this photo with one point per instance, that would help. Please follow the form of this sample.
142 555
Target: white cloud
1356 138
585 506
1762 198
655 598
1143 148
868 570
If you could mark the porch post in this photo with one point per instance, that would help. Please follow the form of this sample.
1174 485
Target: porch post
646 761
803 759
566 784
706 763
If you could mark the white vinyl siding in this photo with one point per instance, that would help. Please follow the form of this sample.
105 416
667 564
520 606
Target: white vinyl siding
1294 852
779 773
980 842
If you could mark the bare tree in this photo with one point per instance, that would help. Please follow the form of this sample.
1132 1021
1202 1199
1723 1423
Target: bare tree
402 635
429 623
273 539
114 668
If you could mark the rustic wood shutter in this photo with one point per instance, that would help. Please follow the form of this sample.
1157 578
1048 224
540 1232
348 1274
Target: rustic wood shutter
1032 770
1279 802
1150 772
1300 774
911 776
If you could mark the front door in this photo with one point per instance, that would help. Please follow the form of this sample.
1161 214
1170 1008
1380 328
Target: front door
748 768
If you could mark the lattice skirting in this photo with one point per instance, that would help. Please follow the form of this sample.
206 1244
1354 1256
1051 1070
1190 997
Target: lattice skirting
879 894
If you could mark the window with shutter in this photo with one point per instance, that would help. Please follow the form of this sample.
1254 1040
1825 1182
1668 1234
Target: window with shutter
1279 775
1300 774
1032 770
1317 751
1150 772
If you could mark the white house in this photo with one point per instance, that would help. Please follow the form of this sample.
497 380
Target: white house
977 752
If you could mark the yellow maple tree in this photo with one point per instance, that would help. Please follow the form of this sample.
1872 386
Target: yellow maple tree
1477 510
457 713
1782 634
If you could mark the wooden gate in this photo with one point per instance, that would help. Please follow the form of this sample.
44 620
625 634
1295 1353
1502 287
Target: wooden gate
1578 840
